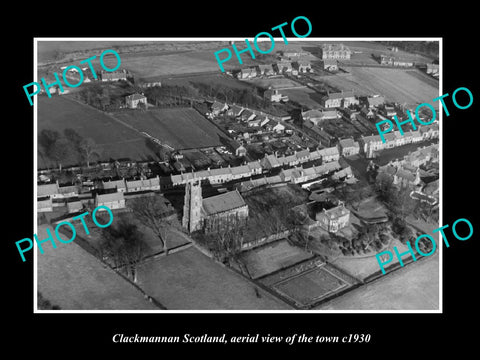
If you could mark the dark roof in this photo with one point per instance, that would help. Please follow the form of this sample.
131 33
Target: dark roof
223 202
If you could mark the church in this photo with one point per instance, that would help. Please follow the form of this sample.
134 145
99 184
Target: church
213 213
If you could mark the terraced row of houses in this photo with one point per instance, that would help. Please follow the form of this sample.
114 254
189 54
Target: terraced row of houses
74 197
371 144
279 67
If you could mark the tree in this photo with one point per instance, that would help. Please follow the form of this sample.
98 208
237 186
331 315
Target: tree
225 240
152 212
124 244
88 149
71 135
47 138
60 151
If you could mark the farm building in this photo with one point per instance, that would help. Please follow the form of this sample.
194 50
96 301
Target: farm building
133 100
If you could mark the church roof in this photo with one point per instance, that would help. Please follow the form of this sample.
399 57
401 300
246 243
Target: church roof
223 202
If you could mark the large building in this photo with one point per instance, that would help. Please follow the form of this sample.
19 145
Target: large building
213 213
336 51
133 100
341 99
334 219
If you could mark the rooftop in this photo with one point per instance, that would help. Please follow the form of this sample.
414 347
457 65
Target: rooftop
223 202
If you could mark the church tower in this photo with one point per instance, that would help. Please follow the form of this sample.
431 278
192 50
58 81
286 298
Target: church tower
192 207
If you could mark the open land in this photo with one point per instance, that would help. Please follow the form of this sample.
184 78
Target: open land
115 140
271 257
396 85
189 280
73 279
180 128
415 287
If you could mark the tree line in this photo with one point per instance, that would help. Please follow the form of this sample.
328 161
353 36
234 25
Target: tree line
68 147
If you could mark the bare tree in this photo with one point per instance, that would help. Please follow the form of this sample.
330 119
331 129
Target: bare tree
88 149
225 239
152 212
124 246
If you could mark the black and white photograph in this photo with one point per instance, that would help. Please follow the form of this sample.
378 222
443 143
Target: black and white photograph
222 179
292 181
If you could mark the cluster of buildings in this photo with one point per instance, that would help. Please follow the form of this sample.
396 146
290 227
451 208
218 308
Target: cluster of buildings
299 175
219 175
298 157
283 66
394 60
373 143
109 193
406 172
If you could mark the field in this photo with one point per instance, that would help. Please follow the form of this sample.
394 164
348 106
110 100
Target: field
272 257
115 140
275 83
181 128
395 84
211 79
310 286
189 280
305 97
73 279
415 287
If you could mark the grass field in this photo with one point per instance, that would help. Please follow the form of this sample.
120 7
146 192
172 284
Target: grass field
274 83
73 279
181 128
310 286
115 140
395 84
189 280
269 258
415 287
306 97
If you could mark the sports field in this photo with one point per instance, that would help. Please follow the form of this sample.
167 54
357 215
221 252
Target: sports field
181 128
115 140
310 286
396 85
272 257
